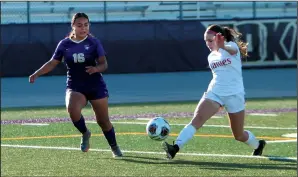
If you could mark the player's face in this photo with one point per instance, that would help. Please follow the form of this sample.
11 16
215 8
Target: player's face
81 27
210 43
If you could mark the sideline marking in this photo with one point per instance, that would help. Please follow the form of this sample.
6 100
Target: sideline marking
35 124
290 135
282 141
141 133
220 126
262 114
148 152
147 119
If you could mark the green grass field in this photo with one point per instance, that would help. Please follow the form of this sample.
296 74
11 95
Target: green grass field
53 149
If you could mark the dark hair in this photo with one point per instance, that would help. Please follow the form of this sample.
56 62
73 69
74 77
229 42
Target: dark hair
73 20
231 35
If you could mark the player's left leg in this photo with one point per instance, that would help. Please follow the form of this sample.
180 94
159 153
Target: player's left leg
100 107
235 106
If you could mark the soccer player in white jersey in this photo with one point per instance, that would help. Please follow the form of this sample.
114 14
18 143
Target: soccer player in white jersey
225 90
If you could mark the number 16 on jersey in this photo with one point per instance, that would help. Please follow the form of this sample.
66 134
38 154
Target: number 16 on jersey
78 57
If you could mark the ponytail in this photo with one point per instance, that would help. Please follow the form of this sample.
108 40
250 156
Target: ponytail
233 35
70 34
227 33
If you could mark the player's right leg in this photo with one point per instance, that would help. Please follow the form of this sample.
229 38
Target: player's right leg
206 108
75 101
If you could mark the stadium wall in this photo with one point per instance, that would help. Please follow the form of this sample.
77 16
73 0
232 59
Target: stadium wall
149 46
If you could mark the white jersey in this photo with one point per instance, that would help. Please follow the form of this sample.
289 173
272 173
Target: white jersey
227 72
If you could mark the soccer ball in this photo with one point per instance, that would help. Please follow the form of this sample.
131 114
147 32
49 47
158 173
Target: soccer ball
158 129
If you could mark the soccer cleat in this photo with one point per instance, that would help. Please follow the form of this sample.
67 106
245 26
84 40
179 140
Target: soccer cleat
259 150
116 151
85 145
171 150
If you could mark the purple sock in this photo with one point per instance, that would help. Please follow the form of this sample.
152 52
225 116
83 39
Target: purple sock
110 136
80 125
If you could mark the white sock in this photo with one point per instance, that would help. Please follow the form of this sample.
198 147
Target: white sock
252 141
185 135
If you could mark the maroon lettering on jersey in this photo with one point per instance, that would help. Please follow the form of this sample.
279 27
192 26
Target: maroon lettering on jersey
220 63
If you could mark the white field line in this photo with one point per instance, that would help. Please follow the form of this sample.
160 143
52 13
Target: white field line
147 119
262 114
220 126
35 124
148 152
216 117
290 135
282 141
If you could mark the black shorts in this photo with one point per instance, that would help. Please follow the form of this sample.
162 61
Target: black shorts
92 93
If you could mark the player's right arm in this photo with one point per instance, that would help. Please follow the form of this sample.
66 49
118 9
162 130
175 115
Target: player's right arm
47 67
50 65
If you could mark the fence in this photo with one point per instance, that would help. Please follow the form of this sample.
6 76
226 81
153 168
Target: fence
61 12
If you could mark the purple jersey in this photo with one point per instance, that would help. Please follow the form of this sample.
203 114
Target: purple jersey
78 55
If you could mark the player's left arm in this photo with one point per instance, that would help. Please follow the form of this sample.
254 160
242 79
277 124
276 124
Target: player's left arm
101 61
102 64
231 48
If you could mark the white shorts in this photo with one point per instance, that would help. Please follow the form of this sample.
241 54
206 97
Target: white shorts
232 103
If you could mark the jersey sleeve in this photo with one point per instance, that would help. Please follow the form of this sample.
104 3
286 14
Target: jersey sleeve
58 54
99 49
233 45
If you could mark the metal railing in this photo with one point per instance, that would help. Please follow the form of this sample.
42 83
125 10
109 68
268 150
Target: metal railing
59 12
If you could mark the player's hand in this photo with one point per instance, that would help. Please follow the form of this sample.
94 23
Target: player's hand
219 40
32 78
91 69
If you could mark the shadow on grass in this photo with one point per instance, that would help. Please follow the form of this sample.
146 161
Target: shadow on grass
214 165
281 159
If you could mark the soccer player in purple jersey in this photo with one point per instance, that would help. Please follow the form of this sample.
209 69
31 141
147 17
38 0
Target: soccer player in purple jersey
85 61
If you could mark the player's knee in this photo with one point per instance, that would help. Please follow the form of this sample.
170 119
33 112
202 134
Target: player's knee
100 123
72 110
69 109
104 123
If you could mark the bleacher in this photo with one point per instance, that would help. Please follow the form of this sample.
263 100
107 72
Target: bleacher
49 11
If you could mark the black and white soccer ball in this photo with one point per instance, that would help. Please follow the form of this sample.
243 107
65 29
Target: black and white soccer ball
158 129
